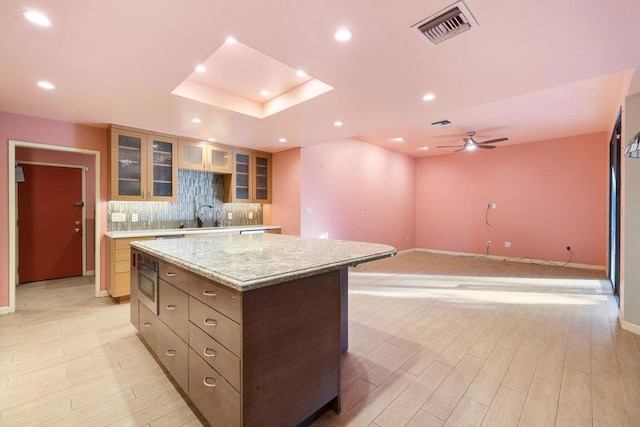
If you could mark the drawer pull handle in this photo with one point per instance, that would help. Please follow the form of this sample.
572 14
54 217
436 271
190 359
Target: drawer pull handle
210 322
171 307
209 293
171 274
170 353
209 382
147 324
208 352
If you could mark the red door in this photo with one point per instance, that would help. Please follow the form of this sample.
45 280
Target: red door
49 223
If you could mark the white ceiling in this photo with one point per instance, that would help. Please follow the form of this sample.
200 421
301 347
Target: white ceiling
531 70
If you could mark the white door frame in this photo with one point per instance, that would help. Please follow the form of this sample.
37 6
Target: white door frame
83 218
12 211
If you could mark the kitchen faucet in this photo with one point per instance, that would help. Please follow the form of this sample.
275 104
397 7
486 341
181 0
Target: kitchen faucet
198 219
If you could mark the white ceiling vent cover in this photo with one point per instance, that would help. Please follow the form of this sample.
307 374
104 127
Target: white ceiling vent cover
447 23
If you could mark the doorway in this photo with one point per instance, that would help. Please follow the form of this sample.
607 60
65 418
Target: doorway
614 207
51 201
12 241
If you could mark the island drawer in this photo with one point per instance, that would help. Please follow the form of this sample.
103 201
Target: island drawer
174 275
222 298
173 352
212 394
216 356
216 325
149 326
174 309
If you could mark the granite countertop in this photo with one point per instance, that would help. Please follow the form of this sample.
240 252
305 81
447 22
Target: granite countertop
184 231
250 261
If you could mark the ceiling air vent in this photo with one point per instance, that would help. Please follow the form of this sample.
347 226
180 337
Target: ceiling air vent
451 21
441 123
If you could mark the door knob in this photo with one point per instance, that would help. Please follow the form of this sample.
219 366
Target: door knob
77 222
77 230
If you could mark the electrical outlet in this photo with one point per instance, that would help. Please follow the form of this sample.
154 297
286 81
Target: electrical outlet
250 215
488 242
229 216
507 244
134 217
569 248
118 217
492 205
309 211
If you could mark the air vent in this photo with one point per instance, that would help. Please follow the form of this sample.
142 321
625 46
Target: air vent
441 123
450 22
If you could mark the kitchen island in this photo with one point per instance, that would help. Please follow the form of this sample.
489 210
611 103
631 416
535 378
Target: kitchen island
251 326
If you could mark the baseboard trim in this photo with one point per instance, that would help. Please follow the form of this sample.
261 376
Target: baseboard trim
104 293
5 310
90 273
628 326
523 260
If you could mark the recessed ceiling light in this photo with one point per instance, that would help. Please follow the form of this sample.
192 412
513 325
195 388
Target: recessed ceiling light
470 147
425 148
343 35
265 93
37 18
429 97
301 73
282 140
230 40
46 85
338 123
201 68
211 140
196 120
398 139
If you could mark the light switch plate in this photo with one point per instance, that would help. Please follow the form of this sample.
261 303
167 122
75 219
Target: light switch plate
230 215
118 217
134 217
250 215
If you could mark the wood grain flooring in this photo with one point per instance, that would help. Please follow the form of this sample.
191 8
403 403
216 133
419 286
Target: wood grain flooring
434 340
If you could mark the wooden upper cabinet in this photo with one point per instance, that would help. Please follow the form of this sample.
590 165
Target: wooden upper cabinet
251 177
203 156
142 166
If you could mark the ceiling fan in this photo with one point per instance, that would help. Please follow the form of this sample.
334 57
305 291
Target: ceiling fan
472 144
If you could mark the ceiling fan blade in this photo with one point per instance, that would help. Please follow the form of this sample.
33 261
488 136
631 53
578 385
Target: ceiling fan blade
486 146
492 141
460 149
449 146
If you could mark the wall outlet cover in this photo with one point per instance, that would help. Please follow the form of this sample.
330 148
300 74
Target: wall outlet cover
230 215
134 217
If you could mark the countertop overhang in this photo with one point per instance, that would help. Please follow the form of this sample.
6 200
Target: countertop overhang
250 261
185 231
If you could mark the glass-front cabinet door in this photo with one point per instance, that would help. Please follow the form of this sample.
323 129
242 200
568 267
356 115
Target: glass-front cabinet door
262 178
192 155
220 159
163 171
128 165
241 192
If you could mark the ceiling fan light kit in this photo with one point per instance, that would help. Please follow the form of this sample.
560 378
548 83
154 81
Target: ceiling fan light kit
471 144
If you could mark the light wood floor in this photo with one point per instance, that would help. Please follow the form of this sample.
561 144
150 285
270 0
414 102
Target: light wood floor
434 340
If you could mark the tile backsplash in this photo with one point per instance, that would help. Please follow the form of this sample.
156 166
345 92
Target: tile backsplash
196 192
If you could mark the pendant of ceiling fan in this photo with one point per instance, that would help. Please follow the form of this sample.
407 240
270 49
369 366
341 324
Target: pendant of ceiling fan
471 144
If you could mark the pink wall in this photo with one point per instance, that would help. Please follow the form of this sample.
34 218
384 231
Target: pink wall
285 209
358 191
77 159
549 195
32 129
